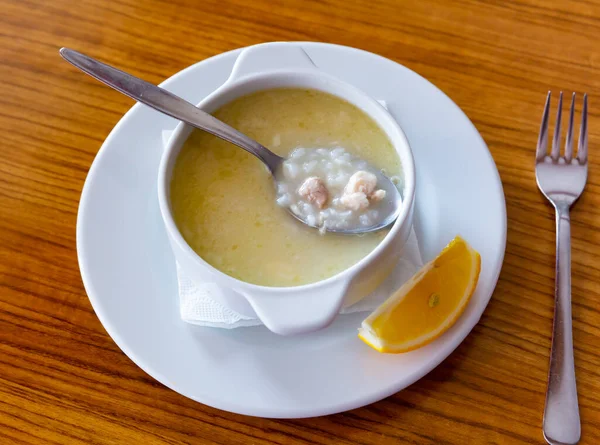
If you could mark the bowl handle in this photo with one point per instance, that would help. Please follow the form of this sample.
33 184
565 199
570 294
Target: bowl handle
271 57
298 312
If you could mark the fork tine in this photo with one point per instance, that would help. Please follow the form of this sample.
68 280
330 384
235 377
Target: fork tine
569 141
542 145
556 140
583 134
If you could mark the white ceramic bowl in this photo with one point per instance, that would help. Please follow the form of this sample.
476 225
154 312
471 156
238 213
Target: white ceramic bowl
291 310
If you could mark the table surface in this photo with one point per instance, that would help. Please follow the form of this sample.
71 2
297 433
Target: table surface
64 381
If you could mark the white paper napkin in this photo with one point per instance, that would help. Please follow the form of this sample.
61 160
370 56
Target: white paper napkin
198 307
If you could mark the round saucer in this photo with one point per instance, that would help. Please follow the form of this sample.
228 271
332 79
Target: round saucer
130 275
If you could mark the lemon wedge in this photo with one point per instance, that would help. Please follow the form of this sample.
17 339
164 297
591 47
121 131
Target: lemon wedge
427 304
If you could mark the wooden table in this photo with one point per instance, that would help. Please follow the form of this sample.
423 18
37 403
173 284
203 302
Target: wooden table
64 381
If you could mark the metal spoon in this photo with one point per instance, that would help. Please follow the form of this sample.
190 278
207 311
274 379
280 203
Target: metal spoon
174 106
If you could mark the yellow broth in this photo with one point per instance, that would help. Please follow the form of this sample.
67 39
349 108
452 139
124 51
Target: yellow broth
223 198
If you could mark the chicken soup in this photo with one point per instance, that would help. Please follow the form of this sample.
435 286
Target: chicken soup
225 204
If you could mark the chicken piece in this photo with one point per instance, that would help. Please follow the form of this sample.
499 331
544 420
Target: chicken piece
377 195
314 191
361 181
355 201
360 189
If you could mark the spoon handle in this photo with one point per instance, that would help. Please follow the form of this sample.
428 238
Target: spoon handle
169 104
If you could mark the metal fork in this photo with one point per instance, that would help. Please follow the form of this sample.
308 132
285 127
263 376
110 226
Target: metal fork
562 180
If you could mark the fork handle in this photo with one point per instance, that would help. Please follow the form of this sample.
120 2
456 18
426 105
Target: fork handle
561 414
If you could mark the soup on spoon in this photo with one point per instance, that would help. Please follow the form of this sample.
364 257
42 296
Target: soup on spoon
331 189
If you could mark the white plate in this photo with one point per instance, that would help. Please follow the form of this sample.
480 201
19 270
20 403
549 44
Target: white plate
129 272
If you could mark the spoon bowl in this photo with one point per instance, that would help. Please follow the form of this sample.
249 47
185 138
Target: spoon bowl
392 204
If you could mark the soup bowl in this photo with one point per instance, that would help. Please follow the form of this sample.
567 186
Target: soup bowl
309 307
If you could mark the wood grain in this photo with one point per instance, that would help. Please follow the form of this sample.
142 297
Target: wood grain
63 380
